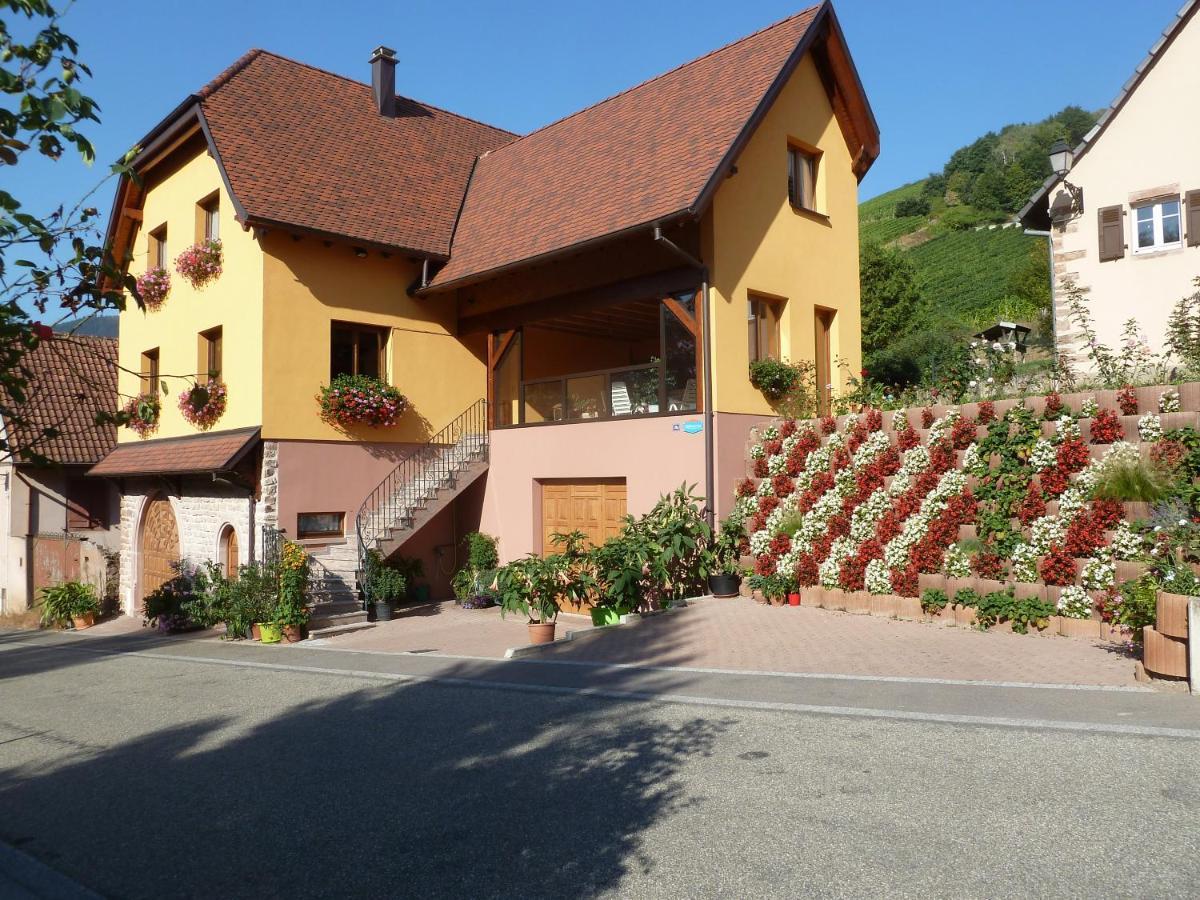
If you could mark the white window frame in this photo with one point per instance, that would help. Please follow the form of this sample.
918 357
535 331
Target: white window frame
1156 208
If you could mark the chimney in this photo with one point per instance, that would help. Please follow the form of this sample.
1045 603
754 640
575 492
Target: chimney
383 80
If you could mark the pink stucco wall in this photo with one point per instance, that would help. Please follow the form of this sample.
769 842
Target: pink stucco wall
654 456
731 432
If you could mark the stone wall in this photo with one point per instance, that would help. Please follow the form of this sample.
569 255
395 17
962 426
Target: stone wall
202 509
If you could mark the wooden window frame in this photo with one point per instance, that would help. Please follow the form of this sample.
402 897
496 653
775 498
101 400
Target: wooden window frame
151 369
356 328
799 151
209 354
304 535
208 211
754 335
156 247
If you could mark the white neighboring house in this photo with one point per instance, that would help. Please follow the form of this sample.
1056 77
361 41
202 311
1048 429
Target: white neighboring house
1123 210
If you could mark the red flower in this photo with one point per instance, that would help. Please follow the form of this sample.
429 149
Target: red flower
1053 481
1085 535
807 571
1127 400
852 573
788 428
1054 406
1058 568
864 373
1107 513
1106 427
760 468
783 486
962 433
904 581
908 439
1169 454
988 564
1073 456
873 421
1032 507
745 488
767 504
987 412
828 425
765 564
780 544
927 418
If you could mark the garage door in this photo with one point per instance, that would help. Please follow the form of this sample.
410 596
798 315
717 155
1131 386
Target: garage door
594 506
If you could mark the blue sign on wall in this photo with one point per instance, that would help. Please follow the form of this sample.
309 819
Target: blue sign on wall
693 427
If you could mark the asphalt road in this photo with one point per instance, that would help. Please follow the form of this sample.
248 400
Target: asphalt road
180 769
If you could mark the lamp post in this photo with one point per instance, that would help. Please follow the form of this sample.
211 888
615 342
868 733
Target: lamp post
1061 160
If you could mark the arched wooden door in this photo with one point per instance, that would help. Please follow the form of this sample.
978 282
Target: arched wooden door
159 545
229 552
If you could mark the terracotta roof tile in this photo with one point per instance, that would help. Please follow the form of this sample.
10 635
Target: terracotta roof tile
72 379
640 156
308 148
201 453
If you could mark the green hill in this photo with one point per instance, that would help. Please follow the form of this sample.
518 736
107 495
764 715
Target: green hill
943 256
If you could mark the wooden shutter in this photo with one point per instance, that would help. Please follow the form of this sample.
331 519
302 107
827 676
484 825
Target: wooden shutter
1112 233
1191 207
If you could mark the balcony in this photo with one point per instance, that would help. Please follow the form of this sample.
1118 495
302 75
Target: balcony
622 361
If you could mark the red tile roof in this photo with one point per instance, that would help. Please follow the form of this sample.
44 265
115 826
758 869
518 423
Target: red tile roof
195 454
643 155
308 148
72 378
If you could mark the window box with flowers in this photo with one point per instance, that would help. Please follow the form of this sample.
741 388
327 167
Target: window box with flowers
350 400
142 414
203 404
153 285
200 263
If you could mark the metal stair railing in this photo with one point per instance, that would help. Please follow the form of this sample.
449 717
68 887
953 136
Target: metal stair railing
417 478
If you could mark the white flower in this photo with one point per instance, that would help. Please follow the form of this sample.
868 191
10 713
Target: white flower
1068 428
1183 523
758 451
1150 428
955 562
991 381
1024 563
1098 575
972 383
877 579
1012 345
1168 401
1089 408
1074 603
1043 455
996 346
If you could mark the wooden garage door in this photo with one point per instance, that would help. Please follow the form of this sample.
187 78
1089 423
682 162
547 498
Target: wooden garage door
594 506
160 545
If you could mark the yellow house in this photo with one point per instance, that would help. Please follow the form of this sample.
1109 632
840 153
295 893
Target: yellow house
570 315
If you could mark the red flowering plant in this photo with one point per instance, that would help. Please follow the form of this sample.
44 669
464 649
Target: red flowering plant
1053 481
745 488
1057 567
907 439
787 428
1106 427
773 447
142 413
360 400
828 425
987 412
760 468
1032 507
1127 400
962 433
153 285
767 504
1169 455
807 572
200 263
904 581
204 404
780 545
1107 513
873 421
765 564
927 417
1085 535
1073 456
852 573
1054 407
783 486
988 564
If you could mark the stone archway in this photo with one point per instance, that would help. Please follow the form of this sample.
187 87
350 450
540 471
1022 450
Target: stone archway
159 546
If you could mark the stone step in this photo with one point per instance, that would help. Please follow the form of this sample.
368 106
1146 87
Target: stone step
335 630
331 619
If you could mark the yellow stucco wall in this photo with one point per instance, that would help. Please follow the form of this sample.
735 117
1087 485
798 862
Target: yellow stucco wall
233 301
307 287
759 244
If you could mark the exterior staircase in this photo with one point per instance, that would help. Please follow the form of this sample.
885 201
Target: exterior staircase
420 486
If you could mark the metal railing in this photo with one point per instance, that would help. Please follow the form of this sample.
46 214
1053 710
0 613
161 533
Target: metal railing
417 478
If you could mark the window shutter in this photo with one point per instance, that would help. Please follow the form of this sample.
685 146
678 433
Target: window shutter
1112 233
1191 205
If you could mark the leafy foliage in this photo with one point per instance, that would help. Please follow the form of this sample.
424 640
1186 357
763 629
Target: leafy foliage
62 602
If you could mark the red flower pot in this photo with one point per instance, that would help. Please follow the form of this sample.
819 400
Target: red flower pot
793 599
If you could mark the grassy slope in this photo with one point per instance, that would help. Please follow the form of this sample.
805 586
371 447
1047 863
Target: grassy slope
963 272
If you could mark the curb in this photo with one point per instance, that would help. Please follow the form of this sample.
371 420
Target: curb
629 619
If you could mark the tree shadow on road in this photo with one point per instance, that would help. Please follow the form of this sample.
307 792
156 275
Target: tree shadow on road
411 789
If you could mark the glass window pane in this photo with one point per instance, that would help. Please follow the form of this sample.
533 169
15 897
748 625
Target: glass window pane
368 353
634 392
341 354
680 365
543 402
1145 230
508 385
1170 222
586 397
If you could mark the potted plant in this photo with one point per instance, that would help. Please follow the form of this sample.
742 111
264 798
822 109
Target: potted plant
70 601
203 404
141 414
387 589
725 579
270 632
350 400
292 611
200 263
531 587
153 285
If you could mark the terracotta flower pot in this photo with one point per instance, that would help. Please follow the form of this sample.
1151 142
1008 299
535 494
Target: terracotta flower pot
1080 628
541 632
794 599
1171 615
254 632
1164 655
884 605
293 633
87 620
909 608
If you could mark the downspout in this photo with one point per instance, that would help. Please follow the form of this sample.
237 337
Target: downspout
1053 300
706 361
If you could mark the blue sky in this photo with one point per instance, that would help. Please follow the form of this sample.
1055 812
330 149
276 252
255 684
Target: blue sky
938 74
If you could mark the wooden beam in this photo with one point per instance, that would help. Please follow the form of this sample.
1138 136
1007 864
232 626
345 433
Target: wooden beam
130 213
686 319
645 287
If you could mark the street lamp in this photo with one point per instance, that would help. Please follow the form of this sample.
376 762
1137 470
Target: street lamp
1061 160
1061 157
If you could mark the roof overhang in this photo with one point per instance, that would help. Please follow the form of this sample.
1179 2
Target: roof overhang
200 454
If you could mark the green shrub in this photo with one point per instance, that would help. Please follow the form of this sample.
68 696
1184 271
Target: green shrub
1130 478
64 601
1139 604
388 585
933 601
1030 611
966 597
912 206
481 551
993 607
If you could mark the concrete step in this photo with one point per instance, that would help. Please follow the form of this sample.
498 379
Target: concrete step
332 620
335 630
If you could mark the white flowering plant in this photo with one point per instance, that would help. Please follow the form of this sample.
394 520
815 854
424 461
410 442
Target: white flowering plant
1074 603
1098 575
1089 408
1168 401
956 563
1150 428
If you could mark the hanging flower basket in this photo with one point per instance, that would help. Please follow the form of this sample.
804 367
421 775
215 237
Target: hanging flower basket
143 411
154 285
360 400
200 263
204 404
